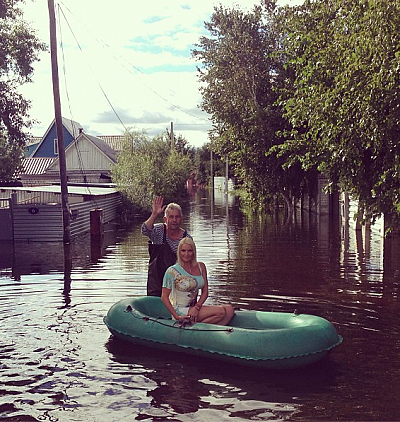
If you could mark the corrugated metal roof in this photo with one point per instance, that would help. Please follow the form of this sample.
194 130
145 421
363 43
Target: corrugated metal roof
116 142
33 140
36 165
72 190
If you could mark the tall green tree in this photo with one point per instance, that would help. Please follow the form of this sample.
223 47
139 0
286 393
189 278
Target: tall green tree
344 100
19 49
239 73
148 167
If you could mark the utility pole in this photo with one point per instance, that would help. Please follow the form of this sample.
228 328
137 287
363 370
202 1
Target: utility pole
212 172
59 125
226 174
212 186
172 136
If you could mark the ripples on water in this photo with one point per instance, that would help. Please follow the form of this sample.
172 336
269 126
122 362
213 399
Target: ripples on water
59 363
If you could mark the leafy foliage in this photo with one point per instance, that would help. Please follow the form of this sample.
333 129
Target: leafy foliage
344 100
202 162
149 167
19 49
239 76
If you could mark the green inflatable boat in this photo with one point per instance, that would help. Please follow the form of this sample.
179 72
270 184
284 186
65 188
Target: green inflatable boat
274 340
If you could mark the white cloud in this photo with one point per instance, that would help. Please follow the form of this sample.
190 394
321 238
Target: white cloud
133 56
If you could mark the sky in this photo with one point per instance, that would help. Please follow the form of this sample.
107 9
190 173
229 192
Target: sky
124 64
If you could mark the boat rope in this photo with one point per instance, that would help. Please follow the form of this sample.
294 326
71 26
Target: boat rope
178 324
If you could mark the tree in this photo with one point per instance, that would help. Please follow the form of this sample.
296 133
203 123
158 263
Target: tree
19 49
239 74
181 144
202 160
148 167
344 101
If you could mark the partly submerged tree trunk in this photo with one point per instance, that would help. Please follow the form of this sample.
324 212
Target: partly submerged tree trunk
288 207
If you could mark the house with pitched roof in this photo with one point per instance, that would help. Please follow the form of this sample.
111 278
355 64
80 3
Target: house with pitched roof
88 158
32 212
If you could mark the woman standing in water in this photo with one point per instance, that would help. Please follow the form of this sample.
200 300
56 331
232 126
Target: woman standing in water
181 286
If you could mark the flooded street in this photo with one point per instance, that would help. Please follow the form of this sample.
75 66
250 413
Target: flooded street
58 362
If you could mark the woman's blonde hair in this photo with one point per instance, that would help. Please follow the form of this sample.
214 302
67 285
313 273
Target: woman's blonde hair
187 241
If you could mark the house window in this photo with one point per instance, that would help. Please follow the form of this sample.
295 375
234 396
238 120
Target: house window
56 146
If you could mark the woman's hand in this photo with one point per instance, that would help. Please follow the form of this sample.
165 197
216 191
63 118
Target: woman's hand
183 318
193 314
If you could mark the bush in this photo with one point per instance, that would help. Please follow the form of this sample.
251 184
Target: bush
149 167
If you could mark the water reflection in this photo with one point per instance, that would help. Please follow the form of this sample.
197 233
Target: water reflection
186 384
59 362
84 253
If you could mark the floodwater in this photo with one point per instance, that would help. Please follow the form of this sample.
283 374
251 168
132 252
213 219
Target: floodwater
58 362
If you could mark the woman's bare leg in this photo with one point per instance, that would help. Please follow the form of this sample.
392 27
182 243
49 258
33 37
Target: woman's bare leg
220 315
229 312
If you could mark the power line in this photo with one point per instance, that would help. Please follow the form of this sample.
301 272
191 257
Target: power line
68 99
98 83
103 43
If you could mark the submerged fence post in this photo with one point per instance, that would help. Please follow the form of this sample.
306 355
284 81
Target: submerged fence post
96 233
96 223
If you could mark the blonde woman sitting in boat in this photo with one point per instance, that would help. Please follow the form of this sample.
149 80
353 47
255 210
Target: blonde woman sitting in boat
181 285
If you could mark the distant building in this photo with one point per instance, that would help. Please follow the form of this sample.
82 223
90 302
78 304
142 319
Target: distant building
33 212
88 158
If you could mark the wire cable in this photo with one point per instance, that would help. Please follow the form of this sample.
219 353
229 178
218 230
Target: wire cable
75 130
103 43
98 83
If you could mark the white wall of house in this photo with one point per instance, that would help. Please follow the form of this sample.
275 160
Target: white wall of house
82 155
